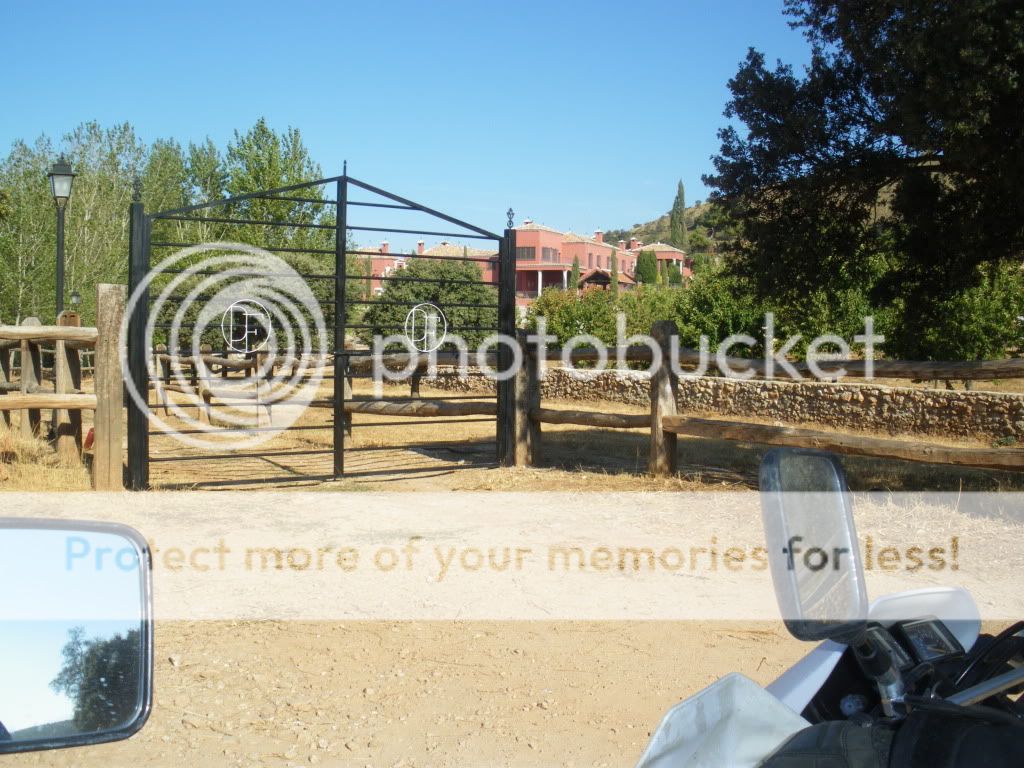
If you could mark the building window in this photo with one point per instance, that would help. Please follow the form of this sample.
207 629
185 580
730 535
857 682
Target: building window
526 253
590 261
549 254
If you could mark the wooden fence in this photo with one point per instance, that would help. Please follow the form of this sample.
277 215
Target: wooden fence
31 394
665 424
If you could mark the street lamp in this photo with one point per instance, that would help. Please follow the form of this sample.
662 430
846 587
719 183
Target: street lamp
76 299
61 178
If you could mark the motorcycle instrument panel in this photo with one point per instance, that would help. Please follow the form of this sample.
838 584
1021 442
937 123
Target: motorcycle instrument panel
930 640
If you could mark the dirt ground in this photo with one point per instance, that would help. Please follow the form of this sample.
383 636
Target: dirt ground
445 693
425 693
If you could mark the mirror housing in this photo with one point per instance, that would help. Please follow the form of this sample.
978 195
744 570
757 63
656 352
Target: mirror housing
76 633
813 550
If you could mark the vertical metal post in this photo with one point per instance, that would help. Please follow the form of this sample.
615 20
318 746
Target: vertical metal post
60 257
138 419
507 325
340 358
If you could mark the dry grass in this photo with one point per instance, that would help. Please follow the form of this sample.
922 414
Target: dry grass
32 465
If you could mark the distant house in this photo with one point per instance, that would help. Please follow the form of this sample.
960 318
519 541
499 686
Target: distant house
544 259
669 254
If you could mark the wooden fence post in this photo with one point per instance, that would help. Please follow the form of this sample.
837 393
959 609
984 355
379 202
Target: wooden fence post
107 465
5 378
664 388
67 373
31 378
527 430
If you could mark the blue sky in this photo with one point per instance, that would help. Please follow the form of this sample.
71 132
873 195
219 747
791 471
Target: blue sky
577 114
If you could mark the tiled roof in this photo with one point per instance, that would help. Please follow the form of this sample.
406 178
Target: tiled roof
453 249
532 226
572 237
661 247
623 277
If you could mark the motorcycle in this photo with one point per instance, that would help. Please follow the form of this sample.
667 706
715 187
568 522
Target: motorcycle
907 680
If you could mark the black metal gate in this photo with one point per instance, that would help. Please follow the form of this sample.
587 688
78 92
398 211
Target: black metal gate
307 227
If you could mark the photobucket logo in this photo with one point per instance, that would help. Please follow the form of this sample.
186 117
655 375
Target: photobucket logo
396 357
254 307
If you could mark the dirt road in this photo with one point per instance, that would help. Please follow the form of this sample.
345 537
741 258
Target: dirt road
424 693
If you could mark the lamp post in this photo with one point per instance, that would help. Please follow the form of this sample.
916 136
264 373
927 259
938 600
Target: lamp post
61 178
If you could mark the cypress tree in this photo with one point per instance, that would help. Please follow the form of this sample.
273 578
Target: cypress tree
677 220
614 285
574 277
646 268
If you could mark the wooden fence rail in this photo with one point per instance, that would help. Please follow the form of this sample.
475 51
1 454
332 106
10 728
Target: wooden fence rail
66 400
665 425
858 445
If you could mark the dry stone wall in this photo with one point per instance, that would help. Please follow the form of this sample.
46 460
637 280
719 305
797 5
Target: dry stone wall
985 416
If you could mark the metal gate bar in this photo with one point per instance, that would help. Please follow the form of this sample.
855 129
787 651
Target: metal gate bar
141 243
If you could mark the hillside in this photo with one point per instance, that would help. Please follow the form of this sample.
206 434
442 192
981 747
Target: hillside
709 230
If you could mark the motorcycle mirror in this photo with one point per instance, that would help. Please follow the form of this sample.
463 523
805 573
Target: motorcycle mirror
812 545
76 639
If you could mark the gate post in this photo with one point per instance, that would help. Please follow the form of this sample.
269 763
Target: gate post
107 465
340 357
664 391
138 419
507 325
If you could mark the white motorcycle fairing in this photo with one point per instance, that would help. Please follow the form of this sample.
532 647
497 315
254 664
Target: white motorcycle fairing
954 606
733 722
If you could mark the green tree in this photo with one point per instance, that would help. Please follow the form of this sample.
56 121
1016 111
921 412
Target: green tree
447 287
677 220
675 275
101 677
207 174
106 161
614 279
574 276
569 315
261 158
891 167
647 267
717 305
978 323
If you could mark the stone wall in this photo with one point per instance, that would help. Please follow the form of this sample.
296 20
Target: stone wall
984 416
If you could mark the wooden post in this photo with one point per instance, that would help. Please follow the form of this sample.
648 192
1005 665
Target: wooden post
202 381
527 429
31 378
664 388
163 375
348 399
107 465
5 378
67 425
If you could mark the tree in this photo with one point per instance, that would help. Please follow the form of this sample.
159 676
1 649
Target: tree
978 323
574 277
647 267
614 279
101 677
892 166
449 288
660 277
717 305
675 275
677 220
